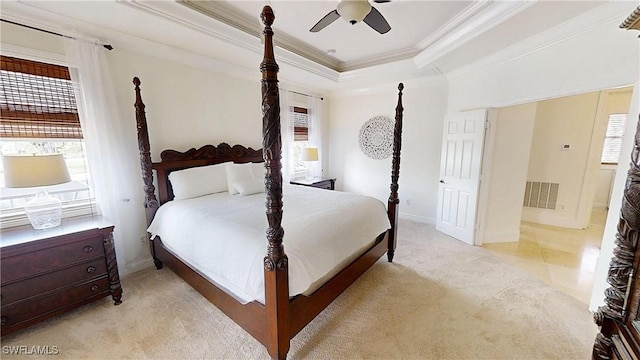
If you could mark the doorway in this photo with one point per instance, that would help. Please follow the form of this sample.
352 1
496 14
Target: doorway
562 139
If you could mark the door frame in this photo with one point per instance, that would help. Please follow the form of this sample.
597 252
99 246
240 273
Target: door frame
485 175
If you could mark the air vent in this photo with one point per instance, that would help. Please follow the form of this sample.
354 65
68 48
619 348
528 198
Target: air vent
541 195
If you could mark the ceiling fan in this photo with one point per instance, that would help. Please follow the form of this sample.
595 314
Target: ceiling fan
354 11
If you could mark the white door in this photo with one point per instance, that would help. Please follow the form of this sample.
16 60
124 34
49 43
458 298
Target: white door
460 163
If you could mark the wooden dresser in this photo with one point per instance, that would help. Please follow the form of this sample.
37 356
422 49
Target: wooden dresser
47 272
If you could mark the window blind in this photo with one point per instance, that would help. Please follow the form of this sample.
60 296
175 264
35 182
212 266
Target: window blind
37 101
300 124
613 138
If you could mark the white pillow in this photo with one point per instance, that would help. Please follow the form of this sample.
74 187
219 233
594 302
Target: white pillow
198 181
258 170
249 187
236 173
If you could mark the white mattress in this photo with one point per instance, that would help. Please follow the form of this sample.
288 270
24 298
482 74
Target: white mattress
223 237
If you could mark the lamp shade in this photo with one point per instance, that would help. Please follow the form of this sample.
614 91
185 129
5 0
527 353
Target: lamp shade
34 170
309 154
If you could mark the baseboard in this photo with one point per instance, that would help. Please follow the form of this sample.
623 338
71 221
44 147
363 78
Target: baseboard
417 218
564 222
501 236
135 266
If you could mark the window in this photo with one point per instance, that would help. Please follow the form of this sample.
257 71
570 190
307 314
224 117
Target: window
39 115
300 119
613 138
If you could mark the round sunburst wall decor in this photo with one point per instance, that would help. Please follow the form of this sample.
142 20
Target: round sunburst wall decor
376 137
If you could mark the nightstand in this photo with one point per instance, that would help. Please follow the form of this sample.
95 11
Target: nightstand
48 272
328 184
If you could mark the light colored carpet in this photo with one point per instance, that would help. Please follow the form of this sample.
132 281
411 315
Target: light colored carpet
440 299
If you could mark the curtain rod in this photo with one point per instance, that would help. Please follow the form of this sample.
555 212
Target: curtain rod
299 93
108 47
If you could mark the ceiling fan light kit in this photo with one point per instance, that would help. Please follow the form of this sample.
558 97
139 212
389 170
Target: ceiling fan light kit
353 11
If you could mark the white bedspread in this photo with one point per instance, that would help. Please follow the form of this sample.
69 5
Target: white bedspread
223 236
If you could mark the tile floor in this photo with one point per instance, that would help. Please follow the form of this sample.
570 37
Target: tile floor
563 258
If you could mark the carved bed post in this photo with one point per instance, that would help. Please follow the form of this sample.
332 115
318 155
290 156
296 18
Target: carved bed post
621 268
394 201
276 272
150 200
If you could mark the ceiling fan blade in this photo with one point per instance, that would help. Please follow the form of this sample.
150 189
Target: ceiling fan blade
381 1
377 21
326 20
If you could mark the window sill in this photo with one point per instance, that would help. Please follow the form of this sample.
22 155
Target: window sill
19 218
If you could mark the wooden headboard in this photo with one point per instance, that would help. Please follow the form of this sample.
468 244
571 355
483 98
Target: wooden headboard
172 160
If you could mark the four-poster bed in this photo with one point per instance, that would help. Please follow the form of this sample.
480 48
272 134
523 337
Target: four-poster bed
619 317
282 311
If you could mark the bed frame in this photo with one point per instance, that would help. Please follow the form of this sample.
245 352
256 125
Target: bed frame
281 317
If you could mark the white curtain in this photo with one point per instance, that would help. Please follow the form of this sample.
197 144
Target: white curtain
113 169
314 107
286 131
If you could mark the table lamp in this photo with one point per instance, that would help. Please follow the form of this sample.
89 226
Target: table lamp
309 154
38 171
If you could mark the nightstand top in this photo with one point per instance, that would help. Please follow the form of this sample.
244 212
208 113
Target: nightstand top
26 233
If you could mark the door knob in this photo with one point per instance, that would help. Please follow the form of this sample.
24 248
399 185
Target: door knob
441 181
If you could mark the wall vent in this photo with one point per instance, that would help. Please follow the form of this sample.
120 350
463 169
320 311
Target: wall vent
541 195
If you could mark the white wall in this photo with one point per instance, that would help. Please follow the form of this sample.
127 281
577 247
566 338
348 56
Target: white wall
424 109
585 54
606 177
512 133
185 106
566 120
37 41
594 57
188 107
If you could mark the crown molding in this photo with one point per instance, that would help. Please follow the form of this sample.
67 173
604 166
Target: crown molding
32 16
485 18
381 59
205 24
177 14
391 85
250 25
452 24
607 15
227 15
403 68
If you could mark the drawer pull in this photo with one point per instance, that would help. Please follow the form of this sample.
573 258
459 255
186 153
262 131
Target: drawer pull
3 320
94 288
87 249
91 269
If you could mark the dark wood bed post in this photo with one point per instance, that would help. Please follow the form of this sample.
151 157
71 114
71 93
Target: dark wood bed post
150 201
621 267
394 201
276 268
